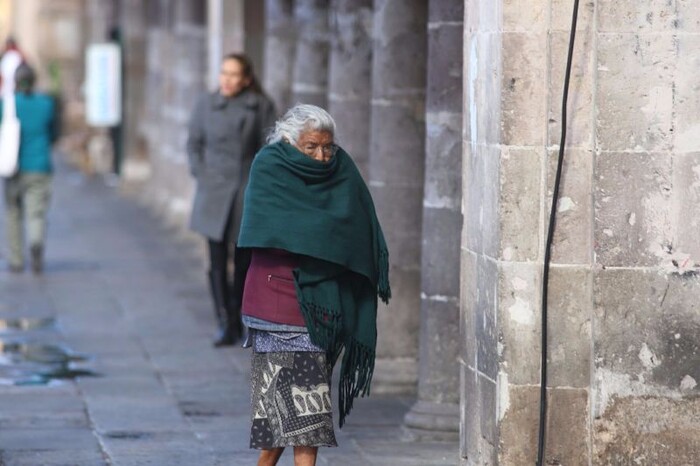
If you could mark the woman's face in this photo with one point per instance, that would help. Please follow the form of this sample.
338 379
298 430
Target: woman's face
317 144
231 78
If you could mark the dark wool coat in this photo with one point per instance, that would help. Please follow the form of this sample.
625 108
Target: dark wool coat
224 135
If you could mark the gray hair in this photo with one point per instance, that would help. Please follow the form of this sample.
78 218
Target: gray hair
300 118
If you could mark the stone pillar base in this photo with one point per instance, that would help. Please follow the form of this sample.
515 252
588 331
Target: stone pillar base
395 376
428 420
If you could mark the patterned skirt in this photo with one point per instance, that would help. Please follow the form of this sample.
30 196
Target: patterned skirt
290 385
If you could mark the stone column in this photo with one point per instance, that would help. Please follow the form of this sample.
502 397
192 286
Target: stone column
436 413
397 157
311 62
279 52
349 86
133 28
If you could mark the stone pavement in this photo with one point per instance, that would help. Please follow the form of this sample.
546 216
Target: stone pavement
125 297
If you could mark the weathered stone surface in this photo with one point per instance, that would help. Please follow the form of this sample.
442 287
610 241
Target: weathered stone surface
518 426
446 11
349 86
519 203
634 98
561 11
630 16
569 327
648 430
567 427
686 193
688 15
523 111
633 210
279 52
440 261
686 94
439 338
468 306
524 15
519 319
444 86
580 105
647 334
574 222
486 332
312 49
481 199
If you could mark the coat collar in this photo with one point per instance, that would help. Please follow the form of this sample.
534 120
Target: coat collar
245 98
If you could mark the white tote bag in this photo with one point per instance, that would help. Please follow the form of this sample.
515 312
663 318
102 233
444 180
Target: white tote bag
9 138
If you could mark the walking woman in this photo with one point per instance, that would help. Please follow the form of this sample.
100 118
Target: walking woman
226 130
28 192
319 262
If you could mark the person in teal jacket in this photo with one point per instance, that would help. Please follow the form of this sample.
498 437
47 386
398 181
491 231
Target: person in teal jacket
27 193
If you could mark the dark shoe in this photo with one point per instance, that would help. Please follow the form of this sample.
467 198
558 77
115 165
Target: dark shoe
37 253
232 330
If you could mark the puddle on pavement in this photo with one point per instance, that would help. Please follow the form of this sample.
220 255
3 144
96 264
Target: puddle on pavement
26 324
39 364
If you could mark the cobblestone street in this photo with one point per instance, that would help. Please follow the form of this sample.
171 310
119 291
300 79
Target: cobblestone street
123 304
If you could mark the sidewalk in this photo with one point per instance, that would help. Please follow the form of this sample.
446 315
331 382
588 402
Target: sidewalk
124 297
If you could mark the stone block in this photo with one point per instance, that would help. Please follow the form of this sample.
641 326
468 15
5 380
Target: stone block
686 192
481 220
635 92
523 110
440 258
400 49
397 144
488 400
468 308
482 88
687 94
443 161
485 328
518 426
352 131
446 11
632 210
632 16
561 11
519 317
445 52
572 243
580 111
688 16
439 352
398 323
400 212
648 430
525 15
520 204
646 332
569 327
567 427
469 412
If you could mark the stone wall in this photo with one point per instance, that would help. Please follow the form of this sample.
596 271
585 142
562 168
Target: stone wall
624 320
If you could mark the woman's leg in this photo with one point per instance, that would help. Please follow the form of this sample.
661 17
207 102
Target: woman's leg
218 282
13 222
271 457
305 456
36 201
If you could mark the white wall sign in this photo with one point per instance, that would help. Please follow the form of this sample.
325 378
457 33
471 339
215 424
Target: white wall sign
103 86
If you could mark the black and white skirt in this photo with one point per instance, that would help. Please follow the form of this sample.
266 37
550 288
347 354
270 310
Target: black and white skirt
291 397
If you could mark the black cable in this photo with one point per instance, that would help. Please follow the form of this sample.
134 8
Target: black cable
548 247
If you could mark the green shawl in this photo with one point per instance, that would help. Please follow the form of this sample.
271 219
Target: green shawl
324 212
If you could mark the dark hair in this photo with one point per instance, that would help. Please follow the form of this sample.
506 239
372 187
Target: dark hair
247 67
25 77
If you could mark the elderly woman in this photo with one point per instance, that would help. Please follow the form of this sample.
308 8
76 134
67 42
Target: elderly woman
227 128
319 262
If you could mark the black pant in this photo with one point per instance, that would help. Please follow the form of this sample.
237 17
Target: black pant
219 253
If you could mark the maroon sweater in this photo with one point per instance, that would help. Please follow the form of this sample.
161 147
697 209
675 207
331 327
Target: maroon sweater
269 292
